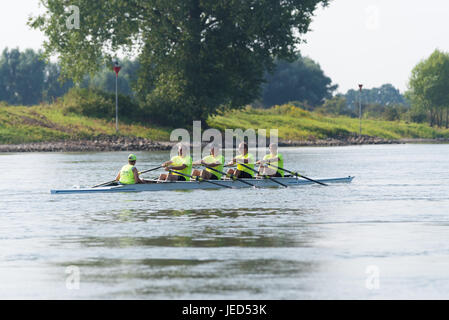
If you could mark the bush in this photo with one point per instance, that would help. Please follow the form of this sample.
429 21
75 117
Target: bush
99 104
391 114
418 116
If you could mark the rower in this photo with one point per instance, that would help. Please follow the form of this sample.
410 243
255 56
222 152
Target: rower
181 163
274 158
129 174
214 160
246 158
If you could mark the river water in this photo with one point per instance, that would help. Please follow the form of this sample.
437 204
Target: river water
383 236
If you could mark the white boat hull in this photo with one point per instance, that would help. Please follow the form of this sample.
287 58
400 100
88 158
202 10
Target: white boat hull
193 185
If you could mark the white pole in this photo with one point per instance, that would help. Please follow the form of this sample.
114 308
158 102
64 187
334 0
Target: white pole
116 103
360 110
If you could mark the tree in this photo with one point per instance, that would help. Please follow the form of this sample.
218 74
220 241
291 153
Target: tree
21 77
105 79
385 95
52 86
429 87
336 106
301 80
196 56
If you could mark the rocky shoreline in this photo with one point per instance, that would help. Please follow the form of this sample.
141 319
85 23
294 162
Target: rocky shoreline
141 144
101 144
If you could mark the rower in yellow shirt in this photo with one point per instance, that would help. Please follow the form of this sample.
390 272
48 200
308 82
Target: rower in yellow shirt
129 174
181 163
214 160
274 158
245 158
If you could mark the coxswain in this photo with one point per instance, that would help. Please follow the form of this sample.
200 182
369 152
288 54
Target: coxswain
129 173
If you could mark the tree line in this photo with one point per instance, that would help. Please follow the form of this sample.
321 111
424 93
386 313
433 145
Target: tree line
300 80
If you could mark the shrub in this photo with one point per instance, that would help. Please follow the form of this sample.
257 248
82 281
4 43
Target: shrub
99 104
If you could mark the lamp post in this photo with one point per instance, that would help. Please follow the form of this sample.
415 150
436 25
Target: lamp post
117 70
360 109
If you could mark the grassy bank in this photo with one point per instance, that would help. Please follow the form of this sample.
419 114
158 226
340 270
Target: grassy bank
296 124
49 123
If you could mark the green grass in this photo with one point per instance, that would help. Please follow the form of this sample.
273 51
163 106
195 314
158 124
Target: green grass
296 124
49 123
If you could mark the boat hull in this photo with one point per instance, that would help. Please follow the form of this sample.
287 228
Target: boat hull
194 185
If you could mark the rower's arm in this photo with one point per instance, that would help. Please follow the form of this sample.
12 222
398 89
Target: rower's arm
244 161
136 176
273 160
179 167
118 177
213 164
167 163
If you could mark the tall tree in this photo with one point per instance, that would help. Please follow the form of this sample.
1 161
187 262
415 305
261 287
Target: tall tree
196 55
52 86
301 80
429 87
21 75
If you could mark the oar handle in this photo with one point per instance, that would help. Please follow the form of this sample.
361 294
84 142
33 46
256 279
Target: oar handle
145 171
199 179
265 176
105 183
233 177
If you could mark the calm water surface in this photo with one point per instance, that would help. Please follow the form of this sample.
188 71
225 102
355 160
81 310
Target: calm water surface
384 236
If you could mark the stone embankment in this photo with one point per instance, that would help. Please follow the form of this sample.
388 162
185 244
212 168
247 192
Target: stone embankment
141 144
100 144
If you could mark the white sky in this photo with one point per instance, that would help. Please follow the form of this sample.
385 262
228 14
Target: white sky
376 41
355 41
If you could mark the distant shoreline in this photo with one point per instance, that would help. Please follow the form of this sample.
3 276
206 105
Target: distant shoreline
141 144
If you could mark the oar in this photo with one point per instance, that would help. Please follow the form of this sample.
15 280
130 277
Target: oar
265 176
199 179
105 183
296 174
233 177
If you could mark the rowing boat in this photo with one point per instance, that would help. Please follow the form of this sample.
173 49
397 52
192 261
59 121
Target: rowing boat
193 185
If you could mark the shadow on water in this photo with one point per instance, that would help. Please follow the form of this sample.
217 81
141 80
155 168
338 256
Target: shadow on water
178 278
141 215
195 252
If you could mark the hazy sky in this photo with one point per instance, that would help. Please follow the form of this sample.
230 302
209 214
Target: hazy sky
355 41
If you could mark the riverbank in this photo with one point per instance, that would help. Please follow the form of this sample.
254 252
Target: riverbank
141 144
48 128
